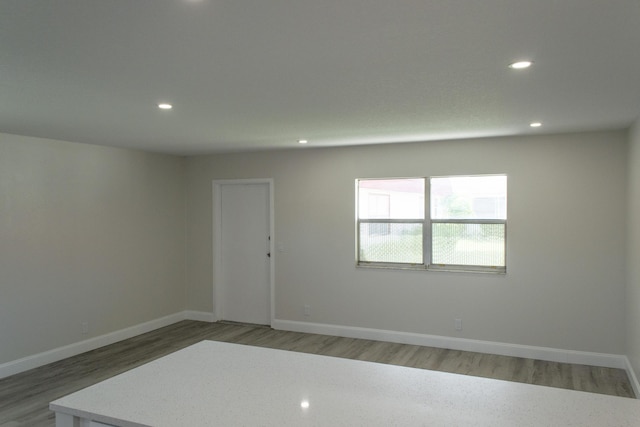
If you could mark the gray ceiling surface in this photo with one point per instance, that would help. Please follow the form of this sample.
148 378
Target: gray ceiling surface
262 74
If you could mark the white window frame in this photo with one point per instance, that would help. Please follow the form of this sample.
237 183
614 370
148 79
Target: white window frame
427 234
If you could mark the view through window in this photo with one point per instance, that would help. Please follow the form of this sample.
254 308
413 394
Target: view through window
465 228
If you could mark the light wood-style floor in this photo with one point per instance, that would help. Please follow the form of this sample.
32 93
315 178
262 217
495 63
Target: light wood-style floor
25 397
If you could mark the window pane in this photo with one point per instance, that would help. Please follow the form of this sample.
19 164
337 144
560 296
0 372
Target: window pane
385 242
469 197
391 198
468 244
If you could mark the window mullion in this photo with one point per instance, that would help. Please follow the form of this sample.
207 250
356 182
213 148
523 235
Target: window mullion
390 221
468 221
426 228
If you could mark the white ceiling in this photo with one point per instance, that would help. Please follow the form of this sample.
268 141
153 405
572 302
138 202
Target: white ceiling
261 74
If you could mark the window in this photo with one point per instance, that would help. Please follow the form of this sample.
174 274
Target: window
394 234
465 228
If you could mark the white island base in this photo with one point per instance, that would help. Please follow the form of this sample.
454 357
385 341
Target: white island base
221 384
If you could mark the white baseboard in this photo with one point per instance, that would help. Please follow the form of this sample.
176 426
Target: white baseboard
201 316
40 359
504 349
515 350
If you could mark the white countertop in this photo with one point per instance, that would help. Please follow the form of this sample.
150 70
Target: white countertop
213 383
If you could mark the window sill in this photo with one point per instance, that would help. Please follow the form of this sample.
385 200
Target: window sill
444 269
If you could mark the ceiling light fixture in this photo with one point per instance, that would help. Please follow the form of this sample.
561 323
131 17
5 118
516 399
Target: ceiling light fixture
165 106
535 124
520 65
302 141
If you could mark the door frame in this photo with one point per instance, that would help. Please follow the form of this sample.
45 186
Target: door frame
217 254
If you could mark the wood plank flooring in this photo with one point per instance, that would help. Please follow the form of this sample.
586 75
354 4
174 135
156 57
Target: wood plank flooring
25 397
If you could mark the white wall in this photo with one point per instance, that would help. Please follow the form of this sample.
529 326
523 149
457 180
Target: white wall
633 254
565 285
87 234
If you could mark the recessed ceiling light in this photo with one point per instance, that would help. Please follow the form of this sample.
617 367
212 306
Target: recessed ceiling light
520 65
302 141
535 124
165 106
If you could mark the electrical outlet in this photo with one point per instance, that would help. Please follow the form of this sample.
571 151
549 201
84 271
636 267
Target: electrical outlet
458 324
85 327
307 310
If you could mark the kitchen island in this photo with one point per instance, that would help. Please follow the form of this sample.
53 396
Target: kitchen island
220 384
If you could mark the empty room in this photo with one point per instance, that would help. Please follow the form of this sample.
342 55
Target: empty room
319 212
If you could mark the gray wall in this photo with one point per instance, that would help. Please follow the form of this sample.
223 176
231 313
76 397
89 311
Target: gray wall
97 234
87 234
633 254
565 285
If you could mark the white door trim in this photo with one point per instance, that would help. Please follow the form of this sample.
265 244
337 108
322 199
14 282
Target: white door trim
217 228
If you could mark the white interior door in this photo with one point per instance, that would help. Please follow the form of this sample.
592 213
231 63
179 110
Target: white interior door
243 279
